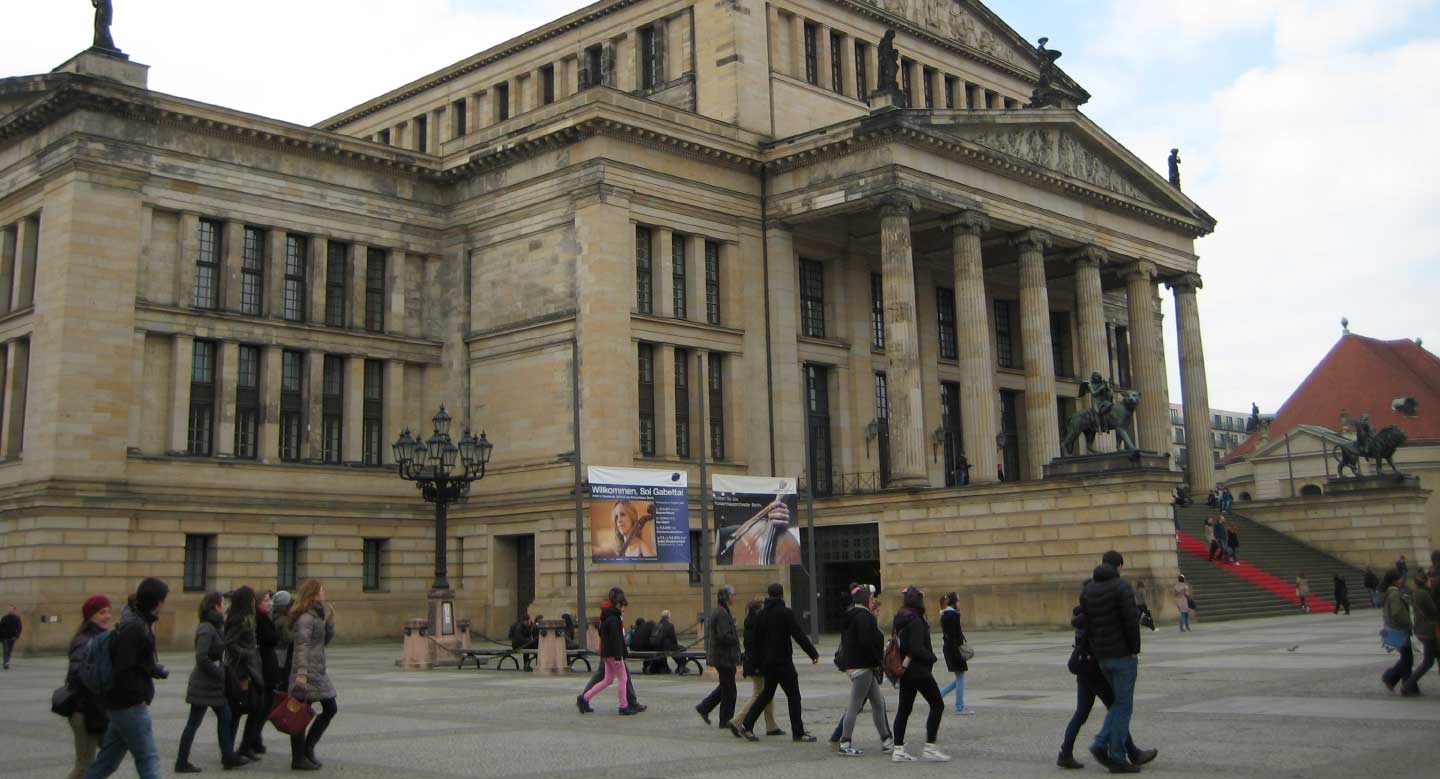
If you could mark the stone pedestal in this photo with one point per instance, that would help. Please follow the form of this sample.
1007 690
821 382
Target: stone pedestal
106 64
592 634
887 100
1387 481
417 654
1134 460
551 659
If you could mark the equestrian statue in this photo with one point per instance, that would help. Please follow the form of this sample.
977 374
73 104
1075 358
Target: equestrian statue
1369 445
1104 416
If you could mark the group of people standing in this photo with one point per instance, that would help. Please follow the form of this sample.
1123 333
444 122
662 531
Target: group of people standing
244 655
1224 540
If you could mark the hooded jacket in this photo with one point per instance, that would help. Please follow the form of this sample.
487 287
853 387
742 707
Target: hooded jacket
913 633
1111 615
774 628
612 633
132 651
861 643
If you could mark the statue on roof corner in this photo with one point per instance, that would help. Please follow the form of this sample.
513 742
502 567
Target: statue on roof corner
889 63
1175 168
104 15
1045 94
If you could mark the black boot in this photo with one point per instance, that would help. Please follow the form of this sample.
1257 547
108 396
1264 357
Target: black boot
1067 760
298 760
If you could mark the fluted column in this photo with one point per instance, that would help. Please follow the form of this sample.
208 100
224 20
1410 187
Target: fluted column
902 347
1146 367
1193 386
1090 311
1042 427
979 420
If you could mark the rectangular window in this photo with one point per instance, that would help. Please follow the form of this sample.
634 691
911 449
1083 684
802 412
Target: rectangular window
1004 338
337 269
812 298
593 72
201 434
252 272
292 415
375 290
644 278
882 397
547 85
421 124
374 412
383 137
332 400
712 282
207 265
715 373
837 56
247 403
287 574
945 315
502 102
862 82
817 401
1215 421
677 275
458 117
1060 343
812 70
905 85
955 470
1122 356
197 562
373 560
297 253
652 71
1175 416
877 312
929 86
949 92
647 399
682 403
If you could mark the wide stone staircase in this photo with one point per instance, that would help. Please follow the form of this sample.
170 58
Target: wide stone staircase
1263 584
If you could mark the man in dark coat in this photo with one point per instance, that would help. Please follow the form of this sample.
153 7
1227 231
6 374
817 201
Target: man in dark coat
1342 595
10 627
1113 623
134 671
775 628
722 652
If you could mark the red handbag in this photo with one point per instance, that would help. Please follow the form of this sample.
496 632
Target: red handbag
290 716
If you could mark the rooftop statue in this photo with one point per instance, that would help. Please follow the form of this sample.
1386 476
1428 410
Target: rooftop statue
1045 94
104 14
889 63
1175 168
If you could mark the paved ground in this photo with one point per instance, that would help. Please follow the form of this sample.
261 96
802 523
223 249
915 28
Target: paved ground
1229 699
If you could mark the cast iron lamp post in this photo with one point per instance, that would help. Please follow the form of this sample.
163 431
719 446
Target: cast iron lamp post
431 464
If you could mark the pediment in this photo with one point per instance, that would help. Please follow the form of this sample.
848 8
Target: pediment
958 20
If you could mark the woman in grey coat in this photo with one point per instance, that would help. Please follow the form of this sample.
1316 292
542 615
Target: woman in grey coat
206 689
311 631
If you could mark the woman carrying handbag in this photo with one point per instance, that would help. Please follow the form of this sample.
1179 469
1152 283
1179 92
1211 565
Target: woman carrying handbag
309 683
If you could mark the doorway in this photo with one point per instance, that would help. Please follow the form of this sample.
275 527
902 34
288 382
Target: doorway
845 554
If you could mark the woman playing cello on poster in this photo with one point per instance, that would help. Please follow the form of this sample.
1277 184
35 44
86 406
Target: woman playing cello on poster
765 538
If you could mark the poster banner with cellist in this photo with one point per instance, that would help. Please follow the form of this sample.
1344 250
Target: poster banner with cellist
756 521
639 515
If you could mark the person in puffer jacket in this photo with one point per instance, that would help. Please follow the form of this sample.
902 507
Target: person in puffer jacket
1113 620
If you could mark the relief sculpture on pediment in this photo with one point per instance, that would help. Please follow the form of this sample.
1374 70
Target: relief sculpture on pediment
947 18
1033 144
1058 151
1077 161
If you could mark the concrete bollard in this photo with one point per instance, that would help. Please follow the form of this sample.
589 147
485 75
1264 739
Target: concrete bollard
416 656
551 657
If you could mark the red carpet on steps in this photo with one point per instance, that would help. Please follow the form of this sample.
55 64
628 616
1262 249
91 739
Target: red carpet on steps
1279 587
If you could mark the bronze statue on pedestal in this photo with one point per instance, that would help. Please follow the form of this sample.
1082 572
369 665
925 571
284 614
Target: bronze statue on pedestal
104 15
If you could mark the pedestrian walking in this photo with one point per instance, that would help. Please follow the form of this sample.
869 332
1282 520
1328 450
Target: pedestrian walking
1302 591
612 654
862 649
1184 603
1090 684
775 627
10 627
722 652
88 719
280 604
750 667
1342 595
311 629
1371 583
1142 602
133 671
1396 617
1218 537
1426 621
1227 500
954 647
267 640
912 633
206 688
1232 544
1113 625
244 675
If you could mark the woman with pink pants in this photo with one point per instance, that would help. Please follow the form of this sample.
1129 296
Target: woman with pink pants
612 653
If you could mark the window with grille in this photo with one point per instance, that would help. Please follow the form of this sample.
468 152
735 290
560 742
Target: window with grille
682 403
812 298
373 558
882 397
247 403
812 69
877 311
652 66
337 256
374 290
837 56
1004 337
287 574
373 413
252 272
644 277
862 81
207 265
715 404
297 253
292 409
712 282
646 362
332 400
945 316
950 426
677 275
197 562
201 434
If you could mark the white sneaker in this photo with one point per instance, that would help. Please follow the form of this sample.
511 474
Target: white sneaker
965 711
934 755
887 744
850 751
901 756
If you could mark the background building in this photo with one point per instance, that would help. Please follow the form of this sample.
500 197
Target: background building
1227 431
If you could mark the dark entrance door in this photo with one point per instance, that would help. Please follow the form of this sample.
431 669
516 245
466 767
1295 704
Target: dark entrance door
524 573
817 403
848 553
956 473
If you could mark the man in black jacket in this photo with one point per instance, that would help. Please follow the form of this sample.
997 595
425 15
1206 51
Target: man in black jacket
774 630
132 688
722 652
10 628
1113 624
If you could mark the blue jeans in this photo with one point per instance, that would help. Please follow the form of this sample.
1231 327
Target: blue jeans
958 685
1120 672
1184 620
129 731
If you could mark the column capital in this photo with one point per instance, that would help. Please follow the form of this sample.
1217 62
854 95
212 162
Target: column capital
896 204
1031 240
1093 256
968 222
1185 284
1140 269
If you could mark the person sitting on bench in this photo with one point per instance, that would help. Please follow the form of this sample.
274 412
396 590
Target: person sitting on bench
663 640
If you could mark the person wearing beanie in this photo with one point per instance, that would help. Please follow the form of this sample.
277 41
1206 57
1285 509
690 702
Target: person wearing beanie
88 719
1108 606
134 670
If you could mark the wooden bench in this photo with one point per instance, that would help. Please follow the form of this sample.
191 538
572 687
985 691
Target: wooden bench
517 656
682 657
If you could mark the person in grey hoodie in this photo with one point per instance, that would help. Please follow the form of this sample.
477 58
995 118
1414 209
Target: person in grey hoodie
206 688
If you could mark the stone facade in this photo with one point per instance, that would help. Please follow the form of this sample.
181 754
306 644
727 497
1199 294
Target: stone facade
216 323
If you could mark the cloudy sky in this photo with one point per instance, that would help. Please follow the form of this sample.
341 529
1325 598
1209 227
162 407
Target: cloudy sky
1307 128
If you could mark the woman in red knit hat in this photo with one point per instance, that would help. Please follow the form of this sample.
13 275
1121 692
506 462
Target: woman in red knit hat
88 719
